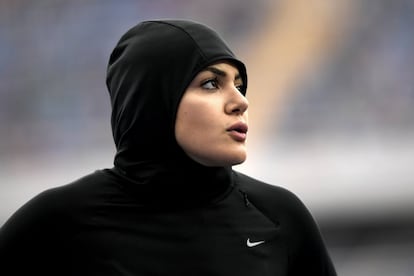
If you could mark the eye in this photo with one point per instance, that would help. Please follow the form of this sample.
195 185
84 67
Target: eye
241 88
210 84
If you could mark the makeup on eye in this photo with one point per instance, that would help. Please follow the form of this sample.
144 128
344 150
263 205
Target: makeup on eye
212 83
241 88
215 83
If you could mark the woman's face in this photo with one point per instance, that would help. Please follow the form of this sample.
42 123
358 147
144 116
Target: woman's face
211 122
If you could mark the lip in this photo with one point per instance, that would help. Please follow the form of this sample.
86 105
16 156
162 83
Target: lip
238 131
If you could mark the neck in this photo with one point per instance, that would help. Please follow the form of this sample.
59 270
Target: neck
180 183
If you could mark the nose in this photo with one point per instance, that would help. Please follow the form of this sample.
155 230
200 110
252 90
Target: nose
237 102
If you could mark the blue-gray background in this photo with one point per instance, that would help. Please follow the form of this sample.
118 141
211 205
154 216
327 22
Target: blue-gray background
331 90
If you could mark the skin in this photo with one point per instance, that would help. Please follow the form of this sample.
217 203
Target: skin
210 106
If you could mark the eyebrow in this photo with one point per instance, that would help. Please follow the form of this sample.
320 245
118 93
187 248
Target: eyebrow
220 73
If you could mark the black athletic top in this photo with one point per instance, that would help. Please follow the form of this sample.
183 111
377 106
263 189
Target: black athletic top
157 212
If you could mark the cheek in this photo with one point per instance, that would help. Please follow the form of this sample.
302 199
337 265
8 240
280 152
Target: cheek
193 120
195 123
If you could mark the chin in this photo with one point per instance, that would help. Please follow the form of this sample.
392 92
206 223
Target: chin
220 158
224 161
235 159
239 161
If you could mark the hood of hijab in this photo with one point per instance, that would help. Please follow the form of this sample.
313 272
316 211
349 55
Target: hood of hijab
149 70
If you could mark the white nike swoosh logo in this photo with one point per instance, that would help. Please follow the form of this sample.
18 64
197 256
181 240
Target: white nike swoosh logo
252 244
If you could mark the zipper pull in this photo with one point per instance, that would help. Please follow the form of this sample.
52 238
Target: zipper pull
245 198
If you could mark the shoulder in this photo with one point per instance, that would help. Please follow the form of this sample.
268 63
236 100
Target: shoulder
279 204
69 194
49 219
268 195
52 206
259 187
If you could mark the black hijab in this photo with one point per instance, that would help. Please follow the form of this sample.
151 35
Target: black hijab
148 72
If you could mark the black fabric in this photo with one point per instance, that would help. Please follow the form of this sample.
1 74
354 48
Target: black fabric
158 212
94 227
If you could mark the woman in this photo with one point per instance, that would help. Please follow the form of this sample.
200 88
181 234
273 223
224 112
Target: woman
172 204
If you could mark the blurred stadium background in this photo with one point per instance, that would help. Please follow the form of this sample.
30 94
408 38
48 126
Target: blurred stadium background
331 93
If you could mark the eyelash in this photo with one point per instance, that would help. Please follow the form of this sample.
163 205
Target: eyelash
215 85
213 81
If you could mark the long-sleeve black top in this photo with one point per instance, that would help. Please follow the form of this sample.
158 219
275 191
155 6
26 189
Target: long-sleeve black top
97 226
